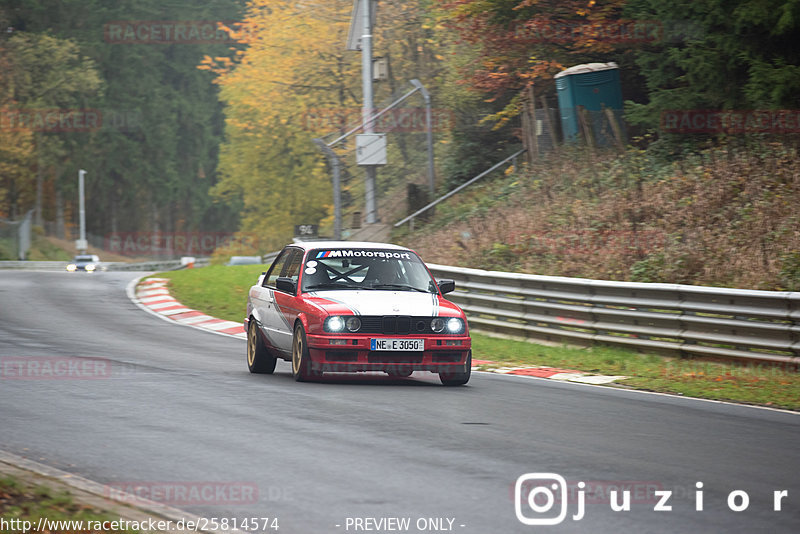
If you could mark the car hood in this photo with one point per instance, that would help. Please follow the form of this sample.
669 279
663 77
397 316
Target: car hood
378 302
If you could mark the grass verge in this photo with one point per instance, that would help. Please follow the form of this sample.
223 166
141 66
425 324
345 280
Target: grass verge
20 503
222 292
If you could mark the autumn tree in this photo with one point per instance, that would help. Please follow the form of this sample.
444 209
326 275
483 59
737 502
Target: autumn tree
294 59
151 164
43 73
288 86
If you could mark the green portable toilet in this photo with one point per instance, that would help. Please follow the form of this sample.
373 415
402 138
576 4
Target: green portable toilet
593 86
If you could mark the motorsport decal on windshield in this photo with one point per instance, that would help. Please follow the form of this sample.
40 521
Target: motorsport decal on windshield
349 253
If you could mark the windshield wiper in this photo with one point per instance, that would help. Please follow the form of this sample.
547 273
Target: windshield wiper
332 285
399 286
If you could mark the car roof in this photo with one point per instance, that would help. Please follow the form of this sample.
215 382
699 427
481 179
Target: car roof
309 245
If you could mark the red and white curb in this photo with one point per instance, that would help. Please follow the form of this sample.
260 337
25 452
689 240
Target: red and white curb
152 295
552 373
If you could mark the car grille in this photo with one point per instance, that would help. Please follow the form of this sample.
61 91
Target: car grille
395 324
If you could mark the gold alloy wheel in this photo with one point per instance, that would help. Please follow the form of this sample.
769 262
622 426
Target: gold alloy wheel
251 344
297 351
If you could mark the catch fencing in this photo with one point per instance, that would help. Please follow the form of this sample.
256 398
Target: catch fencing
679 319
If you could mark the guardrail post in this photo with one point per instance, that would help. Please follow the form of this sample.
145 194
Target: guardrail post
793 308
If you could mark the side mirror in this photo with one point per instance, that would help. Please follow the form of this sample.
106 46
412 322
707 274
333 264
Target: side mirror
287 285
446 286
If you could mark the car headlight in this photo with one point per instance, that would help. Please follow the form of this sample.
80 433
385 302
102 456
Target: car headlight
353 324
334 324
71 267
437 325
90 267
455 325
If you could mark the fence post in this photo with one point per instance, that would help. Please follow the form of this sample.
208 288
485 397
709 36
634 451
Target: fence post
25 230
549 120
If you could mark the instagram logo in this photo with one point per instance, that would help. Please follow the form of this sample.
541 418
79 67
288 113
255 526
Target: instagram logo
540 491
543 492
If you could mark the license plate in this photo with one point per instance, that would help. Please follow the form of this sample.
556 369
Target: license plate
397 345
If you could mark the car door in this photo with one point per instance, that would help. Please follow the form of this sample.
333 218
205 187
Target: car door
263 298
277 324
284 303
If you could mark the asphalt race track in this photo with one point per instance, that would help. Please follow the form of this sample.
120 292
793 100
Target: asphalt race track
178 409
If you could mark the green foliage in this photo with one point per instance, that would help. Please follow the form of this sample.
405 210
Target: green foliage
648 269
8 249
740 54
790 271
43 250
152 162
21 500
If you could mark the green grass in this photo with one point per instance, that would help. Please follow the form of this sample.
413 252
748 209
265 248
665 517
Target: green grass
43 250
218 290
748 383
21 502
222 292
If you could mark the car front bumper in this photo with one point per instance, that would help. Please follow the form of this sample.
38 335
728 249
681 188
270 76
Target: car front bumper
441 354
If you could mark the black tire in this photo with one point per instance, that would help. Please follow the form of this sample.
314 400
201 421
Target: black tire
458 379
301 360
259 359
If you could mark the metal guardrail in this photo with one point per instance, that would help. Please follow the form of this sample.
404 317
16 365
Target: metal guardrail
269 257
706 321
158 265
34 265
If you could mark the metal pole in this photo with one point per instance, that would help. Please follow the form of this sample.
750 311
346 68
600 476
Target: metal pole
429 127
82 203
337 187
457 189
366 75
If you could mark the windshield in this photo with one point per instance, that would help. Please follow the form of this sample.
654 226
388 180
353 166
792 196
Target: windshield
374 269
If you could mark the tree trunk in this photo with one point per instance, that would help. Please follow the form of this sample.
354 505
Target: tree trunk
60 226
37 213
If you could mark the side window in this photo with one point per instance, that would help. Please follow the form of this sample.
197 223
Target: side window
277 267
293 265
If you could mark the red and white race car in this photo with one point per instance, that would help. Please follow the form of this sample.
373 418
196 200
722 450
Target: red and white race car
344 307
